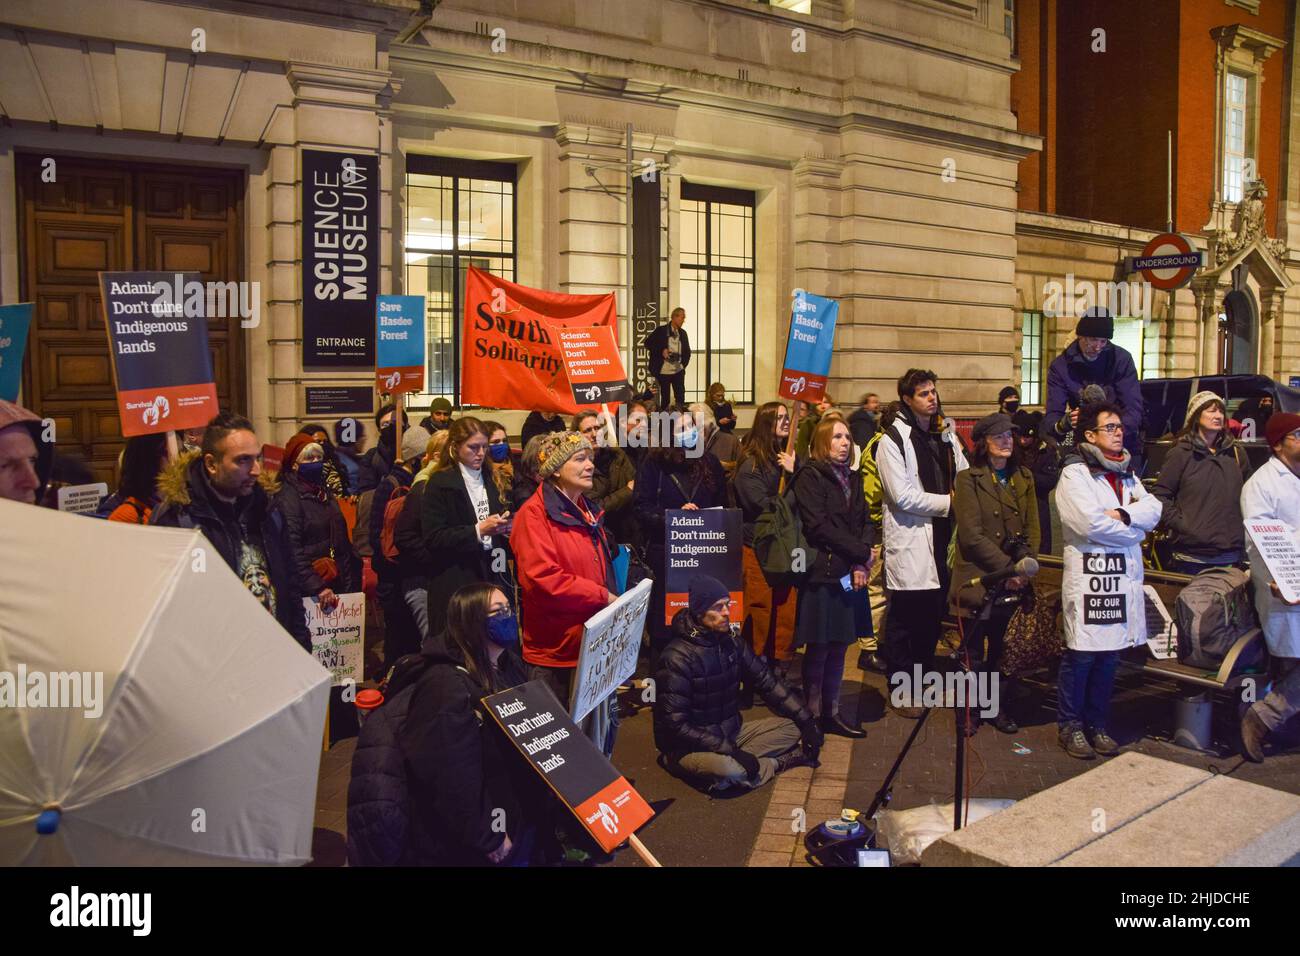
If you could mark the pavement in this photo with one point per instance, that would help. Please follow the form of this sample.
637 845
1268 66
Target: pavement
764 828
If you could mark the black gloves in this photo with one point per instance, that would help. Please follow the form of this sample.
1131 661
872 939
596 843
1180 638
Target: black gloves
812 739
747 761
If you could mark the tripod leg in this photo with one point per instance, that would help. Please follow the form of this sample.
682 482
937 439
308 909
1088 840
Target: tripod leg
883 793
959 721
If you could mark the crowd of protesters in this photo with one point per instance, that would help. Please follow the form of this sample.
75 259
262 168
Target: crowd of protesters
486 562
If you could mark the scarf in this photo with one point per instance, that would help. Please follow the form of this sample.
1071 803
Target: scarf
842 475
1115 469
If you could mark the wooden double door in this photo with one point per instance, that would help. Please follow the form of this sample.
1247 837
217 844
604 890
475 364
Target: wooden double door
100 216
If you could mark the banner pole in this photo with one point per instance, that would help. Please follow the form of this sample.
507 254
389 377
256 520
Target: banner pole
642 852
789 442
609 424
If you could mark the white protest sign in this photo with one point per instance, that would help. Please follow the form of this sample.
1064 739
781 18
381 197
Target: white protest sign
611 641
338 639
1279 547
82 499
1162 632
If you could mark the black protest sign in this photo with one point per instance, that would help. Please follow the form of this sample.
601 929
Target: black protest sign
707 542
572 766
1105 596
158 337
340 258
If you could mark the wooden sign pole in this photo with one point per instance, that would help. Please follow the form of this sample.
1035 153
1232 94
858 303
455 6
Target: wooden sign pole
789 442
642 852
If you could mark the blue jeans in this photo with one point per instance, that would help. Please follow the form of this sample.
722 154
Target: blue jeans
1084 686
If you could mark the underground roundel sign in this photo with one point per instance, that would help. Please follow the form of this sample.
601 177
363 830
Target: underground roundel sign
1169 261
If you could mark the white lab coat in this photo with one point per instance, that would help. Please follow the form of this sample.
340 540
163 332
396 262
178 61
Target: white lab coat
908 510
1101 588
1273 492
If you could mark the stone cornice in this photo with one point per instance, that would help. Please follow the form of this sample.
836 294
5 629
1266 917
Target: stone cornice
324 76
929 127
1050 226
1236 37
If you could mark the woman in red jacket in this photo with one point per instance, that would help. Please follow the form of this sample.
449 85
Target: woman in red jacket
563 559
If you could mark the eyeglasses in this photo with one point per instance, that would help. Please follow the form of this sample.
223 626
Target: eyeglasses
1110 429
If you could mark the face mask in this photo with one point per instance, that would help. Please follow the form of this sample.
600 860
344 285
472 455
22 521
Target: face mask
311 471
687 438
1012 406
502 630
499 451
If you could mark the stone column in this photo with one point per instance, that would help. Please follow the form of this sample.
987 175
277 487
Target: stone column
333 108
1206 296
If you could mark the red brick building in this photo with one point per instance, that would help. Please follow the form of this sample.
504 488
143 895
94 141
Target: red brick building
1120 93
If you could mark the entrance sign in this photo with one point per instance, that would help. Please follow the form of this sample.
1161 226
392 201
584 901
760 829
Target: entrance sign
510 357
593 365
1279 547
572 766
808 349
1168 261
707 542
15 320
611 641
399 343
340 258
338 639
158 337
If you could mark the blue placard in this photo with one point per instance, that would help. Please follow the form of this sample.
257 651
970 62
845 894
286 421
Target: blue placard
15 320
399 342
808 351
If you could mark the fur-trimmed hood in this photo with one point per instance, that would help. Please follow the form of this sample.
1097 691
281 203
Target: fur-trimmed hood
174 479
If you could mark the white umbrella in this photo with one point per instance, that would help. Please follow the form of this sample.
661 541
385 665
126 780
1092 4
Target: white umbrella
208 745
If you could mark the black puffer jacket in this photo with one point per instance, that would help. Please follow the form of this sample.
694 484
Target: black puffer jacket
316 529
697 687
430 771
841 535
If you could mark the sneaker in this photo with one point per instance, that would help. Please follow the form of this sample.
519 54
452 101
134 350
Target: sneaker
795 758
1103 743
1076 744
1253 732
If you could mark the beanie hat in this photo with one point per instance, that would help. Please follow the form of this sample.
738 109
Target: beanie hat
704 593
1007 392
1197 405
293 448
994 424
1280 424
556 449
414 441
439 405
1096 323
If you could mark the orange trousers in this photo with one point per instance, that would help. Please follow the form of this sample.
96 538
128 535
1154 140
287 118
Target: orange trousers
769 612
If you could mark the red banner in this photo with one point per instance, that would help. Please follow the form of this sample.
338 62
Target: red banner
510 357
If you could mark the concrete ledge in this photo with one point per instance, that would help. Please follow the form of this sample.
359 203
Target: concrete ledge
1222 822
1048 826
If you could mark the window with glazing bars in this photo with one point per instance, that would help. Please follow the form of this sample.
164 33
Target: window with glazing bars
717 290
459 213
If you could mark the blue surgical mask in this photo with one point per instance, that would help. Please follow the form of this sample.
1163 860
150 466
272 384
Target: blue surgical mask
499 451
311 471
502 630
687 437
